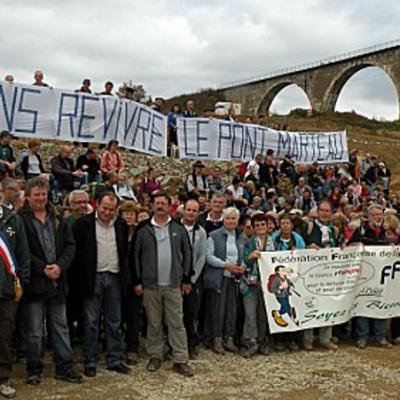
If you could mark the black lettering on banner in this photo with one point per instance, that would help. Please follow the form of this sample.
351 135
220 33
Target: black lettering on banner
143 126
235 128
185 136
108 120
284 145
83 116
224 133
155 132
71 116
304 143
200 138
250 142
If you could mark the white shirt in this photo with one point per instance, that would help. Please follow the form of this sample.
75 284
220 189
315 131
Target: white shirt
107 250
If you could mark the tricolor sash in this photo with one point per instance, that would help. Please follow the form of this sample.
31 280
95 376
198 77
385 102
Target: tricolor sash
7 255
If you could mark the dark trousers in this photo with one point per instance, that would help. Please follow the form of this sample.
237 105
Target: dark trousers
131 319
74 306
395 327
34 314
106 298
7 308
75 315
18 341
191 308
222 309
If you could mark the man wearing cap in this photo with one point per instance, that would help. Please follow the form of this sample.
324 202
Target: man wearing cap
7 158
197 180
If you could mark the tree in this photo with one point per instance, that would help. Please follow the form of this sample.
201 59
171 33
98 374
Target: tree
139 92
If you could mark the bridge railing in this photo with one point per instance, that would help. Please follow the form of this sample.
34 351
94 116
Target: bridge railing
313 64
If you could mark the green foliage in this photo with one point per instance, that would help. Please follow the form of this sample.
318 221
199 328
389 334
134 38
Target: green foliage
139 92
204 99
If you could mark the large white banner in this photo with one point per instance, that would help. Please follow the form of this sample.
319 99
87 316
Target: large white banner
48 113
312 288
203 138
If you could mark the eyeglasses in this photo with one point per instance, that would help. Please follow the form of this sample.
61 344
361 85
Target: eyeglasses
248 226
260 225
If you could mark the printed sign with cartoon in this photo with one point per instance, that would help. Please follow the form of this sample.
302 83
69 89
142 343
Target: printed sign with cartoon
306 289
283 288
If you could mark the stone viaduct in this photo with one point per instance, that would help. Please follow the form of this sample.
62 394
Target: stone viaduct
322 80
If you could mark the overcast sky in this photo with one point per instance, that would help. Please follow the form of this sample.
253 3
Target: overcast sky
174 46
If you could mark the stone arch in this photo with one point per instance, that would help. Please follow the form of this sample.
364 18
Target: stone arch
332 93
272 92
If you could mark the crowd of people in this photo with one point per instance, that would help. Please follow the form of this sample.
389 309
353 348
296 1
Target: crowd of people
88 260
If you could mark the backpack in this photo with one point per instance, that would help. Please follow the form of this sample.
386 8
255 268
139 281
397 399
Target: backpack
243 169
271 279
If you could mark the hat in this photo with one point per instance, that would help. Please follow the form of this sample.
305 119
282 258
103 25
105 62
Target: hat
296 211
198 164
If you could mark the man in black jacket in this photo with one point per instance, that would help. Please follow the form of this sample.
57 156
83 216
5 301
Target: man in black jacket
62 167
372 234
52 249
101 256
14 270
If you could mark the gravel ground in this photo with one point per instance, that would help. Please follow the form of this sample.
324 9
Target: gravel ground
346 374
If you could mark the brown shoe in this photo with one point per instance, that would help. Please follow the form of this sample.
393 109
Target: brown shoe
329 345
218 346
308 346
230 345
183 369
154 365
250 351
131 358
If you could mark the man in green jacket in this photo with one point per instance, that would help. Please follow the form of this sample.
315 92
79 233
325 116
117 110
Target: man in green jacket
161 263
14 273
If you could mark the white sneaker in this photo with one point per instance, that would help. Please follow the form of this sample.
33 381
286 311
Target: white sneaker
7 391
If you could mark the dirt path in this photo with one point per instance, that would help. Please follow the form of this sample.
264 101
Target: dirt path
347 374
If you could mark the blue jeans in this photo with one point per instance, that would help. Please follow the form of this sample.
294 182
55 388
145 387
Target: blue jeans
34 315
362 328
285 306
106 298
